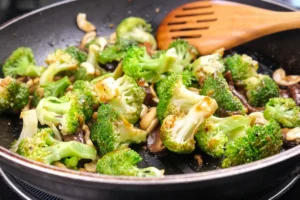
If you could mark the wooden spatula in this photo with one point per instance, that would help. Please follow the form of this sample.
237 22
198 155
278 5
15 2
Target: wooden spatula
210 25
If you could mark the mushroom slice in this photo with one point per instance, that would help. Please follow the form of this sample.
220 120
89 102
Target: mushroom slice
83 24
281 78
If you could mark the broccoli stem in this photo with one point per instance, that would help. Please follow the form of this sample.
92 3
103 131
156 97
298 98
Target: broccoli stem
69 149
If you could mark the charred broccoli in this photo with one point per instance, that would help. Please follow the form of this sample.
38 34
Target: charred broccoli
283 110
111 130
216 87
123 162
44 148
174 97
14 95
260 142
21 63
136 29
139 65
259 89
124 94
178 130
241 66
215 133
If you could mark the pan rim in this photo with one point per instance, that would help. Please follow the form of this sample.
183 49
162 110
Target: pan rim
16 159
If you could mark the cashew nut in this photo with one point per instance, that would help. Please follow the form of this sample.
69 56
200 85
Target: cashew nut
87 38
90 167
153 93
293 135
87 134
144 111
83 24
280 78
59 164
258 118
112 38
149 121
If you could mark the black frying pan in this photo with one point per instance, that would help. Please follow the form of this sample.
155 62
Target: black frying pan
55 27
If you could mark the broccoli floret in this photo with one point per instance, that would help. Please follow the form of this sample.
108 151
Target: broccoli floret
65 112
91 65
87 98
283 110
178 130
116 51
14 95
21 63
158 53
260 142
111 130
30 127
76 53
174 97
215 133
59 61
54 89
188 78
208 65
259 89
136 29
44 148
124 94
186 54
241 66
138 64
123 162
216 87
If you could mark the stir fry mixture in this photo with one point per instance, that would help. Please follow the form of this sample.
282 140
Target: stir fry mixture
81 113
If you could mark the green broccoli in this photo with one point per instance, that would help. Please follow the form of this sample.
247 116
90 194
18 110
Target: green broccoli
138 64
215 133
66 113
116 51
174 97
76 53
124 94
59 61
123 162
259 89
86 96
44 148
54 89
241 66
260 142
158 53
136 29
186 54
14 95
283 110
178 130
21 63
216 87
111 130
208 65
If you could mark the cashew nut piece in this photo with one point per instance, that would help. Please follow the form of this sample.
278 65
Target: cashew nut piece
148 118
144 111
258 118
87 134
90 167
83 24
280 78
87 38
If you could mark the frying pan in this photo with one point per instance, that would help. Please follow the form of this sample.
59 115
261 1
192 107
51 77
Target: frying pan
54 27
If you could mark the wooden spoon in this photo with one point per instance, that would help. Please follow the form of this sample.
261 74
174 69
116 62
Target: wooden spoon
210 25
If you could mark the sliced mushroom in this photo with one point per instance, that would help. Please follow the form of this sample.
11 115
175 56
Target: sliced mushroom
291 136
87 38
83 24
281 78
